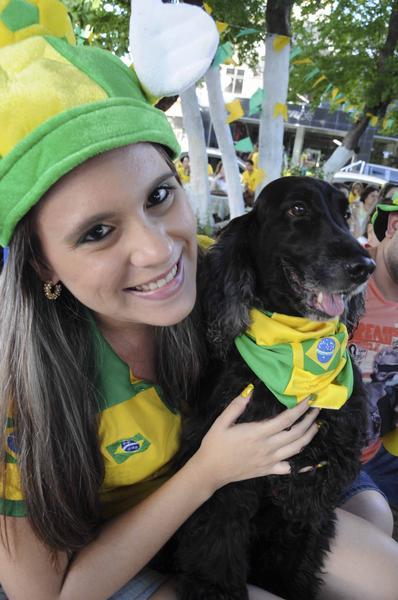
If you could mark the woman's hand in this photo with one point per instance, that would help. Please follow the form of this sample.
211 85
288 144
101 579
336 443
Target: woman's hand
233 451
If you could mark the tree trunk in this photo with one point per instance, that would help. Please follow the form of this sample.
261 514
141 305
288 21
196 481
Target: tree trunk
275 84
346 151
222 130
343 153
198 188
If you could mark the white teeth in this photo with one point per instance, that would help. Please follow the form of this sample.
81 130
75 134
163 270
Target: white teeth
319 298
154 285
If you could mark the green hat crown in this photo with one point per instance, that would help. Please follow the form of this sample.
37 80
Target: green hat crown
60 105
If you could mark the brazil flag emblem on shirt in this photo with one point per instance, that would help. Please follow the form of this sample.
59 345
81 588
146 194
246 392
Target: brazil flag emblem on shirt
123 449
295 357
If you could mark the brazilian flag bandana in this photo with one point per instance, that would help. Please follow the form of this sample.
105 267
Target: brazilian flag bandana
295 357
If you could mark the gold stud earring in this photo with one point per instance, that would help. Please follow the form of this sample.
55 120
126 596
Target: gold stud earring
52 291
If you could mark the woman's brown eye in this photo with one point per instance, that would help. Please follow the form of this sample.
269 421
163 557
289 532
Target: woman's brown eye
160 195
97 233
297 210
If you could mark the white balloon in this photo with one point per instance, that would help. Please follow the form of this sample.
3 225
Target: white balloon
172 45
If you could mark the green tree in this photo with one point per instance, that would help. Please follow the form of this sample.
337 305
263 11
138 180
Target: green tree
107 21
353 45
242 17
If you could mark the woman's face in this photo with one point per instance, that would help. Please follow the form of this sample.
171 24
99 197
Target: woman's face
371 200
119 233
357 189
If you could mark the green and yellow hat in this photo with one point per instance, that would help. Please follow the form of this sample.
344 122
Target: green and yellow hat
60 104
380 216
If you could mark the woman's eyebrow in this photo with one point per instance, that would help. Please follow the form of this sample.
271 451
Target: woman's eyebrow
87 224
162 178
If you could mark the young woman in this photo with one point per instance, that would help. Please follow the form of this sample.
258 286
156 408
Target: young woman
101 345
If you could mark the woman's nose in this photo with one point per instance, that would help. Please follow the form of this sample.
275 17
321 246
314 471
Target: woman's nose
149 245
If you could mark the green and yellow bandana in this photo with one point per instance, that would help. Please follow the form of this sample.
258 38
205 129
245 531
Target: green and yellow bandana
295 357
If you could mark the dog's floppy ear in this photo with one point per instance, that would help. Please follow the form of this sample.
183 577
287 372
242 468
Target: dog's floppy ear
228 284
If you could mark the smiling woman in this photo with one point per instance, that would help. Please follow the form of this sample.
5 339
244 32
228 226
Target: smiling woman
101 338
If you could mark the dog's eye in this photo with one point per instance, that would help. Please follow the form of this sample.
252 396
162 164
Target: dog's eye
347 214
298 210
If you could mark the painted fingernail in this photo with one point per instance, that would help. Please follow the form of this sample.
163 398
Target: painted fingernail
306 469
247 391
311 399
321 464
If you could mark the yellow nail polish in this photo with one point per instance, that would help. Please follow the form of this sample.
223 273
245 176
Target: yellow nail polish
321 464
311 399
247 391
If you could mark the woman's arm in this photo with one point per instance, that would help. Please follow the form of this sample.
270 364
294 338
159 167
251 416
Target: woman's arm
229 452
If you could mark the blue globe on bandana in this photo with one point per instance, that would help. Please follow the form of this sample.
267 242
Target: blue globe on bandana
325 350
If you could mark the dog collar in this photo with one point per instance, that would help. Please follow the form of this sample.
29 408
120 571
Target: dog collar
295 357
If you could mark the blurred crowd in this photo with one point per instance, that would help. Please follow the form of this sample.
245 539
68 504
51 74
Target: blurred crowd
363 200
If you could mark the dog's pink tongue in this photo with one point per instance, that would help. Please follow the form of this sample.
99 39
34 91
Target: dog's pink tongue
331 304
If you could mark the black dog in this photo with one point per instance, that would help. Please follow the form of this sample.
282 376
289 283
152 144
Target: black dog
293 254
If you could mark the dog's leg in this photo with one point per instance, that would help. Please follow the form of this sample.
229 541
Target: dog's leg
213 547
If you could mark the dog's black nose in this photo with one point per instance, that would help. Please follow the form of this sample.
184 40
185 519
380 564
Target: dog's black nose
360 269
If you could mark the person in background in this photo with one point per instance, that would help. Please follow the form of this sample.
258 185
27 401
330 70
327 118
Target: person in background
254 156
369 198
374 348
219 183
184 169
251 178
355 192
361 210
389 191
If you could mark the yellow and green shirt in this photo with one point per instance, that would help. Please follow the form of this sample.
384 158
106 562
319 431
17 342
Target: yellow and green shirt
251 179
138 435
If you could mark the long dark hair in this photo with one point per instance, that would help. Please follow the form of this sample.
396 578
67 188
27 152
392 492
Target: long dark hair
47 385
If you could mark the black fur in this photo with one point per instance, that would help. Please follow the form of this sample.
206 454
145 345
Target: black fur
273 531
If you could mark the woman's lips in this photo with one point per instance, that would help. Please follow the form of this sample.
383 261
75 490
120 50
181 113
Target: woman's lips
167 287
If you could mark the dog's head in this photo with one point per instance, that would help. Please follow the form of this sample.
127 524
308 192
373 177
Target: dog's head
293 254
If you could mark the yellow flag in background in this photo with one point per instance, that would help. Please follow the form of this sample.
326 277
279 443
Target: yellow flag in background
318 81
303 61
221 26
280 41
207 8
373 119
280 109
235 110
